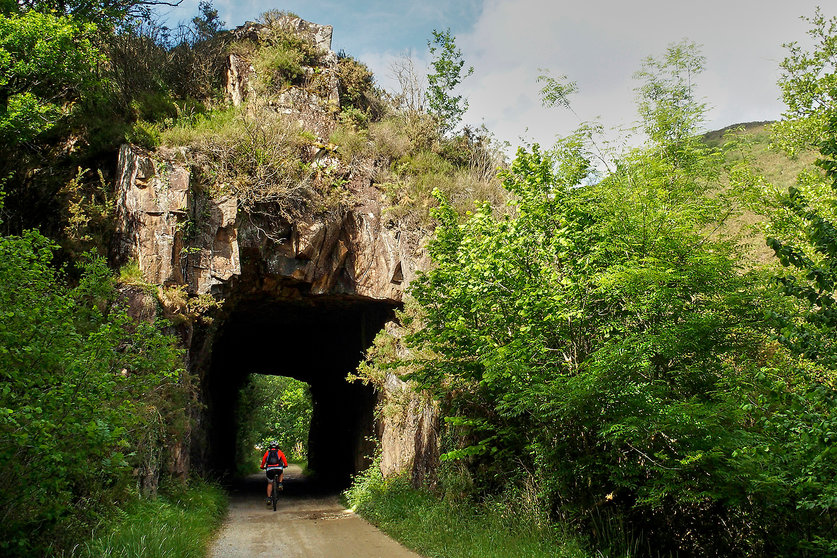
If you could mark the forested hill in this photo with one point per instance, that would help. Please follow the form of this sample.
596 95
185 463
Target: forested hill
610 361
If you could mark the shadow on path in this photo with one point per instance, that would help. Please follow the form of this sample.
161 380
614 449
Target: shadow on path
297 485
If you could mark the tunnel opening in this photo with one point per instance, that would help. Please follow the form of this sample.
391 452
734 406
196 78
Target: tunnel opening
272 408
317 340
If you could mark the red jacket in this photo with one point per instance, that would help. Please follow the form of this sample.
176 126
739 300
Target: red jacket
281 458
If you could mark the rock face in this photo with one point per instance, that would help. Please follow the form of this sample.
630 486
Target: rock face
181 236
408 434
174 236
240 73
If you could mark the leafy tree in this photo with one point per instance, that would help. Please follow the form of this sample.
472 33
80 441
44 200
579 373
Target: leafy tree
207 24
96 11
47 64
667 104
605 340
804 230
448 67
88 395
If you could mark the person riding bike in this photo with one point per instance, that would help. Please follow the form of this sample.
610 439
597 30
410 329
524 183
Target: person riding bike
274 463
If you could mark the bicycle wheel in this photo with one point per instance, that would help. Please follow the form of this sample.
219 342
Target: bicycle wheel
275 491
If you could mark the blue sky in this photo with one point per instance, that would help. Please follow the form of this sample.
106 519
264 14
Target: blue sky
597 43
359 26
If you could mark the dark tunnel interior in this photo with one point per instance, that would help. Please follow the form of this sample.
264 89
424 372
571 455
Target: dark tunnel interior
316 340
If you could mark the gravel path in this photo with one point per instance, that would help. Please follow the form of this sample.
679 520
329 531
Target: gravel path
303 525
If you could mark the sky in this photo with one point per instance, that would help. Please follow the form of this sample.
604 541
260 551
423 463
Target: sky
599 44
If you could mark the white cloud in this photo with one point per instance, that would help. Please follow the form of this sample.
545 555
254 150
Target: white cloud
601 44
597 43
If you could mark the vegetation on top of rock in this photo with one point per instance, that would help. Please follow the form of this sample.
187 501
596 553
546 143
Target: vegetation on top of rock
291 142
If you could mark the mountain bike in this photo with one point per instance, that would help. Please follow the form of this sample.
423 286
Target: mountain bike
274 492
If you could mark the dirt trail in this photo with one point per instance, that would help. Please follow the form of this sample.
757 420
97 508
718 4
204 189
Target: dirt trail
305 524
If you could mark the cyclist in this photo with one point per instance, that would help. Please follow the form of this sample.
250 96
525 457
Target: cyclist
274 463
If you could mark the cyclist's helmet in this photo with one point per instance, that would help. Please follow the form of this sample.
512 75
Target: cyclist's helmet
274 445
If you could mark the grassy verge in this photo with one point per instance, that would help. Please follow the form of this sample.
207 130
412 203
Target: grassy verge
435 528
178 524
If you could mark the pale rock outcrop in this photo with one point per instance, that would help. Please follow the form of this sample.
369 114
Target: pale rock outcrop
240 73
174 236
238 85
178 237
408 429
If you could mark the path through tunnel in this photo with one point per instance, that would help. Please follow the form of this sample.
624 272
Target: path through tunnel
317 340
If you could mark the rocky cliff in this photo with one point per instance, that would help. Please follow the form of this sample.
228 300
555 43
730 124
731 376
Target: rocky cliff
348 266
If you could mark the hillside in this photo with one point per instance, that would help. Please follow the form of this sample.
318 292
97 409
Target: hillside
773 172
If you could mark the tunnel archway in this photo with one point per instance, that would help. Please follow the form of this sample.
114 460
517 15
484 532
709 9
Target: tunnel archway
317 340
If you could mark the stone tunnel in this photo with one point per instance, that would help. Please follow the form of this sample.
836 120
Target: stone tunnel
318 341
302 297
304 290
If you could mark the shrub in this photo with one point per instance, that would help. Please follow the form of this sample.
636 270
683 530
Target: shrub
356 84
89 395
254 153
351 143
389 139
280 53
279 66
145 134
47 64
353 117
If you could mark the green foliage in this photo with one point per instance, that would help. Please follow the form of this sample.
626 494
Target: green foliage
178 524
47 63
87 395
89 212
103 12
144 134
206 25
156 75
279 66
556 91
667 104
356 84
809 87
256 154
273 408
281 54
434 527
606 340
413 158
803 233
353 117
448 67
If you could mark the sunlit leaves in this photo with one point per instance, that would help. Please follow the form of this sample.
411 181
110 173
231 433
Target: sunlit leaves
85 388
47 63
448 72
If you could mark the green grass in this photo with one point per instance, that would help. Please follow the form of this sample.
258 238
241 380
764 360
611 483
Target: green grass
435 528
178 524
222 123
